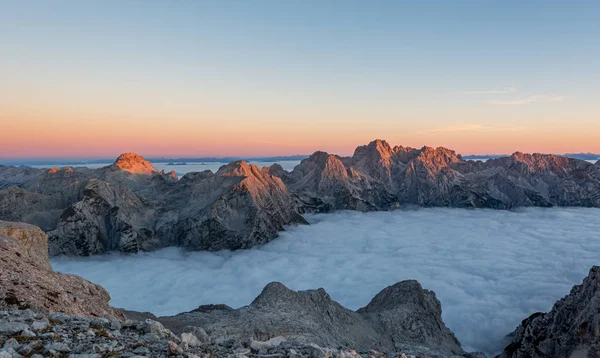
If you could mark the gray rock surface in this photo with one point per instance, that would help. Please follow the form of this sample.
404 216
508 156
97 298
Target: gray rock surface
570 329
403 318
80 337
27 279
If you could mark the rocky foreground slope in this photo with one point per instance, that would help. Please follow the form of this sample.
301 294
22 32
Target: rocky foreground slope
50 314
130 206
570 329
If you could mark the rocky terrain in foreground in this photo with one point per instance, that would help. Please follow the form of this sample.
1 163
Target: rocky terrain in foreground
50 314
570 329
130 206
47 314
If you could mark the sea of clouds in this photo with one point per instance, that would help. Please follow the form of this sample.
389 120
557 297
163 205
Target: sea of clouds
490 269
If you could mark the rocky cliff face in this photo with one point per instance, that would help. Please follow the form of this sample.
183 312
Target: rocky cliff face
238 207
108 217
403 318
322 183
27 279
570 329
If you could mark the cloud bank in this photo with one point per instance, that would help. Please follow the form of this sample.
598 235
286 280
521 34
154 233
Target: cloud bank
490 269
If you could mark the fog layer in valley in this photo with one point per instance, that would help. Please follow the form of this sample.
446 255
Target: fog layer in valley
490 269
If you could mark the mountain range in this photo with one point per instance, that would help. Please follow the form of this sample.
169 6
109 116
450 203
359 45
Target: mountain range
130 206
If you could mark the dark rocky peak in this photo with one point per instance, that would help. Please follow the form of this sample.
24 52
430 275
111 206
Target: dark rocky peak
570 329
276 170
378 150
65 175
60 171
320 172
541 162
401 319
196 176
437 159
376 159
408 292
255 180
448 155
528 164
239 168
406 154
598 163
171 175
135 164
412 315
11 175
277 295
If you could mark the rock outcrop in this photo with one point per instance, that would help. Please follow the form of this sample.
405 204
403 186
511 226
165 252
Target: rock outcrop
403 318
570 329
27 279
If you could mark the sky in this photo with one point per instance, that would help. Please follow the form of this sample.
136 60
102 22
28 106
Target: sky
251 78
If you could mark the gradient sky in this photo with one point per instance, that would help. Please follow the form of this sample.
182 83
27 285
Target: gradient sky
228 78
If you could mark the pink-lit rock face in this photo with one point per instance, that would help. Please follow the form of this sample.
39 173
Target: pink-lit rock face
135 164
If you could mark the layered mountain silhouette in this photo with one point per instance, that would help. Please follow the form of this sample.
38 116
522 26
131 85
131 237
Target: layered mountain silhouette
130 206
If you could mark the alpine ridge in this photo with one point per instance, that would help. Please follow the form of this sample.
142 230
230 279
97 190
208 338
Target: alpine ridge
130 206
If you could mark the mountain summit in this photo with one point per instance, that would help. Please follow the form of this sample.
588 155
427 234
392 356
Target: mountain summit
135 164
130 206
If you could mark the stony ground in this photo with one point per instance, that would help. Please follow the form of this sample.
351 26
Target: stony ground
24 333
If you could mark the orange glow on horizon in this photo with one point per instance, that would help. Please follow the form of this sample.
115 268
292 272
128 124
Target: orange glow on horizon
49 129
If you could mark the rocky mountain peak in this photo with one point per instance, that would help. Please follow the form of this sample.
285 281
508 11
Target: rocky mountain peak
570 329
438 158
540 162
402 293
276 294
238 168
135 164
598 163
378 150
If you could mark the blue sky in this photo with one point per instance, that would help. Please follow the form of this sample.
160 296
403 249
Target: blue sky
480 76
